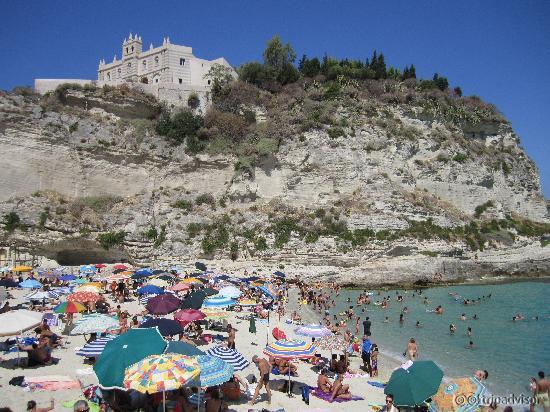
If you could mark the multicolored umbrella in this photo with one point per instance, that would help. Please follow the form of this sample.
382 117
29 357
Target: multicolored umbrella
84 297
69 307
163 304
313 330
124 351
414 384
160 373
290 349
218 302
459 395
331 343
231 356
188 315
94 348
213 370
30 284
95 324
269 289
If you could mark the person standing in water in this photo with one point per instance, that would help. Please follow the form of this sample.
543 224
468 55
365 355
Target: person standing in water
412 350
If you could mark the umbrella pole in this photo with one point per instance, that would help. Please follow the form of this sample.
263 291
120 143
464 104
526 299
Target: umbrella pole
164 401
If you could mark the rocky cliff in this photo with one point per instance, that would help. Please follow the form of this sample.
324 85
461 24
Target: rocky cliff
362 188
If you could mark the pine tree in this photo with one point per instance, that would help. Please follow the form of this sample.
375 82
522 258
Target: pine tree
412 72
303 61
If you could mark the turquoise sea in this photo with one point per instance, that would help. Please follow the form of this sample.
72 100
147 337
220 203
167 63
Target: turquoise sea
510 351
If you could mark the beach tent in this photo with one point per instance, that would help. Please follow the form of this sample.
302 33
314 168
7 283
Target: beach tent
17 321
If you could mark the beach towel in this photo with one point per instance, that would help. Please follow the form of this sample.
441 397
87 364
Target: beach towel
377 384
52 382
326 396
356 375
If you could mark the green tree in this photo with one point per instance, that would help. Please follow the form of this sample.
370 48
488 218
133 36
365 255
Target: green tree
252 72
278 61
311 67
220 76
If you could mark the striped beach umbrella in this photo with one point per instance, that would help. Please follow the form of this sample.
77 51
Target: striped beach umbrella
95 324
231 356
94 348
69 307
247 302
213 370
290 349
42 294
218 302
160 373
313 330
143 299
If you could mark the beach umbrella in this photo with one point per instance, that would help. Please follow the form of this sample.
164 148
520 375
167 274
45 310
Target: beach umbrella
230 292
313 330
42 294
201 266
218 302
178 287
279 274
67 278
247 302
95 324
209 291
213 313
69 307
8 283
124 351
183 348
84 297
143 299
88 288
17 321
290 349
166 327
163 304
194 300
150 289
116 277
161 373
251 279
192 280
167 277
63 290
231 356
5 269
332 342
412 385
252 325
459 395
188 315
22 269
120 266
94 348
79 281
30 284
213 370
100 266
158 282
269 289
87 269
144 272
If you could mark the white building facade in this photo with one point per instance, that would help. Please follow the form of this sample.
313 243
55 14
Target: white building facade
170 72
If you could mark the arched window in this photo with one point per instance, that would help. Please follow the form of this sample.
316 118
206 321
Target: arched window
126 50
108 75
156 60
144 64
119 73
132 48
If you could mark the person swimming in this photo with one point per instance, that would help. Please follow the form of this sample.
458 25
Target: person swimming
463 317
469 331
418 325
475 317
452 328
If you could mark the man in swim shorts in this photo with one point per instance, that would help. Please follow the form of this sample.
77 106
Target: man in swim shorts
543 392
264 368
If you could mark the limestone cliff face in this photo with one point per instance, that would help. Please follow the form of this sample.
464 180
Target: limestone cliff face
367 176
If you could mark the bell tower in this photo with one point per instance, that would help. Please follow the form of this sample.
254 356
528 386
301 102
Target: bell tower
131 47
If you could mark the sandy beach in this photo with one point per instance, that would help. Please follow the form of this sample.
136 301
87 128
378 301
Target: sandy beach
248 344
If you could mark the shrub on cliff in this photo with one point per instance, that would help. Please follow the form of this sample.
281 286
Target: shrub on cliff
179 127
110 239
11 222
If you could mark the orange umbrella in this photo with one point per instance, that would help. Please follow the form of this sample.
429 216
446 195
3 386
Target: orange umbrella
84 297
22 269
192 280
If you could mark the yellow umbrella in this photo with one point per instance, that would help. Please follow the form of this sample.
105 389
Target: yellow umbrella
191 280
22 269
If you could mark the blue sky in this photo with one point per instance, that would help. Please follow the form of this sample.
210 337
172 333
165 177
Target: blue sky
499 50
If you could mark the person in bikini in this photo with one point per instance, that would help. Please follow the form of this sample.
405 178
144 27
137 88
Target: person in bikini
339 390
323 382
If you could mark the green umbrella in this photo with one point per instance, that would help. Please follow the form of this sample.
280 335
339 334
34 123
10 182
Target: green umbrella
252 327
415 384
183 348
127 349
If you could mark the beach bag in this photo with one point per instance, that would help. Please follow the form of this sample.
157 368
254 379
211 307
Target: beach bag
305 394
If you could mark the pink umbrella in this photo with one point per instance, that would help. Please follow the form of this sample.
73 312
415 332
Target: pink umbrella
188 315
178 287
120 266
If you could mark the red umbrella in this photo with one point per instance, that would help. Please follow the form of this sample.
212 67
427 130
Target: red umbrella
100 266
188 315
84 297
120 266
163 304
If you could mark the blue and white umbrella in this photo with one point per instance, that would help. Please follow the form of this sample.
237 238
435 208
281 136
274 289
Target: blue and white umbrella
88 269
94 348
144 272
30 284
230 356
63 290
143 299
230 292
42 294
95 324
313 330
213 370
218 302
